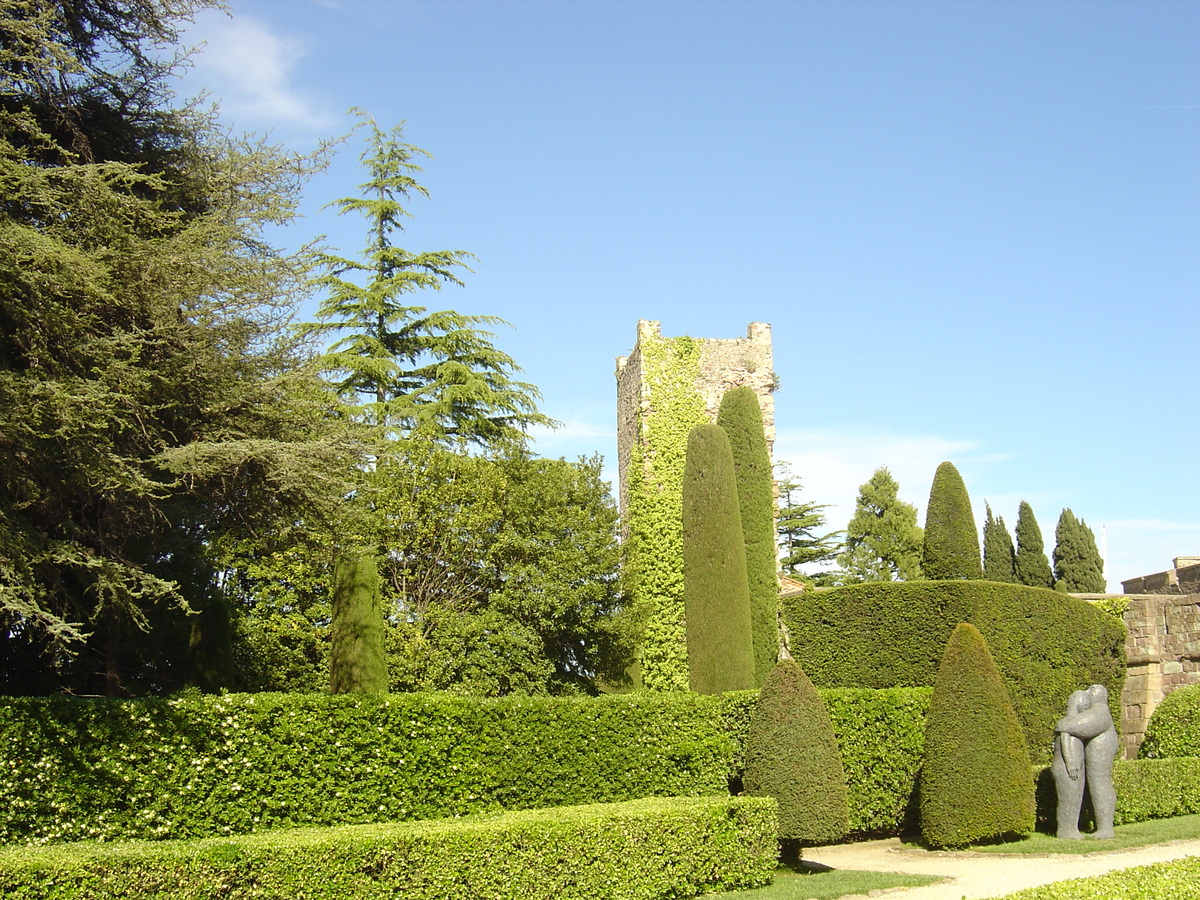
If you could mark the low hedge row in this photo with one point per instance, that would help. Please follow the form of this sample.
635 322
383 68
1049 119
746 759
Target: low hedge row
1175 880
1174 727
1146 789
651 849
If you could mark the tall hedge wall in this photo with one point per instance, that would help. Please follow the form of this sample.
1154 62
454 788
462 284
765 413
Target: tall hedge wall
882 635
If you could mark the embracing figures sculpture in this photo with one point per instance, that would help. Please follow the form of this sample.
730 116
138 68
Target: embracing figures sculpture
1085 745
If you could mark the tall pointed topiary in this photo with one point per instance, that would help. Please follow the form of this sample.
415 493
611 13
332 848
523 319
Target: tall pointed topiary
1031 565
716 594
999 556
357 662
951 548
976 782
792 755
1078 566
741 417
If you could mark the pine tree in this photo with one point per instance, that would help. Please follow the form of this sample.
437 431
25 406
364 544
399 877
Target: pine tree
716 591
798 526
357 662
1031 565
951 548
883 540
976 779
999 557
741 417
1078 566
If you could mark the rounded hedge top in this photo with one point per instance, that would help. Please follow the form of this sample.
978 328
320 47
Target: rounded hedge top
1174 727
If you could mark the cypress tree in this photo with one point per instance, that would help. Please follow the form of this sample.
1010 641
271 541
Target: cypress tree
716 592
999 557
976 782
1078 566
792 755
951 548
357 663
1031 565
741 417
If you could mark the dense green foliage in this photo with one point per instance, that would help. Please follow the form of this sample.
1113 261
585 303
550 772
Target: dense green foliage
1031 565
651 849
357 664
1175 880
999 555
799 525
1156 788
1078 566
951 546
715 586
883 539
741 418
976 780
1174 726
893 635
792 755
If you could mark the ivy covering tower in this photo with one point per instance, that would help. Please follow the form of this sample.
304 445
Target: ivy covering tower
741 418
715 587
951 548
1078 566
357 662
1031 565
999 557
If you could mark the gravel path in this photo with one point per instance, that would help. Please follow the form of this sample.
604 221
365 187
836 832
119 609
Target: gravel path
986 874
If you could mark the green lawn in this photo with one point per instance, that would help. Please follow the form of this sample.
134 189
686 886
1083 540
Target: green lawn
826 885
1154 831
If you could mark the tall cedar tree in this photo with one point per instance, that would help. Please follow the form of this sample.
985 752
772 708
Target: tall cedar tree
883 540
741 417
716 593
798 525
407 368
1078 566
951 548
999 557
792 755
1031 565
976 779
357 663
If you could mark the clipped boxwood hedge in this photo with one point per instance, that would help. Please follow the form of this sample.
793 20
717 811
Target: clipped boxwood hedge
1174 880
1146 789
891 634
1174 726
661 848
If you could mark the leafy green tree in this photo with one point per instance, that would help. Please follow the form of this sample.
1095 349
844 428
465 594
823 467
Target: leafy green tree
741 417
357 664
999 557
976 778
1031 565
798 528
883 539
951 547
1078 566
408 368
715 588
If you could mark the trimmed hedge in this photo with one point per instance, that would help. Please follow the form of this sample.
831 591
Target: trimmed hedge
1175 880
1146 789
1174 727
663 848
892 634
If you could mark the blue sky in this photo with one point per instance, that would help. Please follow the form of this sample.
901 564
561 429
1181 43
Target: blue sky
973 226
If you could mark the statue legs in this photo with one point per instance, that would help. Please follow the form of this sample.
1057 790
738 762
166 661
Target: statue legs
1068 789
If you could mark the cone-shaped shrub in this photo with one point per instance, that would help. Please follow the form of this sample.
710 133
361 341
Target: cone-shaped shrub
716 595
792 755
951 548
998 552
741 417
976 782
357 663
1031 565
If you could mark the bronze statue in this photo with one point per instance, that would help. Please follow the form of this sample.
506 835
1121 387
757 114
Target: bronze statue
1093 725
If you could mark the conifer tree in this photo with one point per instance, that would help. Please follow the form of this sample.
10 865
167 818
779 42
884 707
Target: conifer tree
357 662
1031 565
1078 566
741 417
798 526
883 540
716 591
976 780
951 548
998 553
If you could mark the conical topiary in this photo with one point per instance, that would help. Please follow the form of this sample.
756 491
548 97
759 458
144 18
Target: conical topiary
976 782
951 548
716 595
357 662
792 755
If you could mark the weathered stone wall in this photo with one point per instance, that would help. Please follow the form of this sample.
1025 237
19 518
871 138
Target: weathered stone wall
1182 578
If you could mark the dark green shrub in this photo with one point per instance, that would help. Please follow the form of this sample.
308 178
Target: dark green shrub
1174 727
357 662
976 780
999 556
951 548
792 755
715 588
741 417
892 635
1031 565
644 849
1078 567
